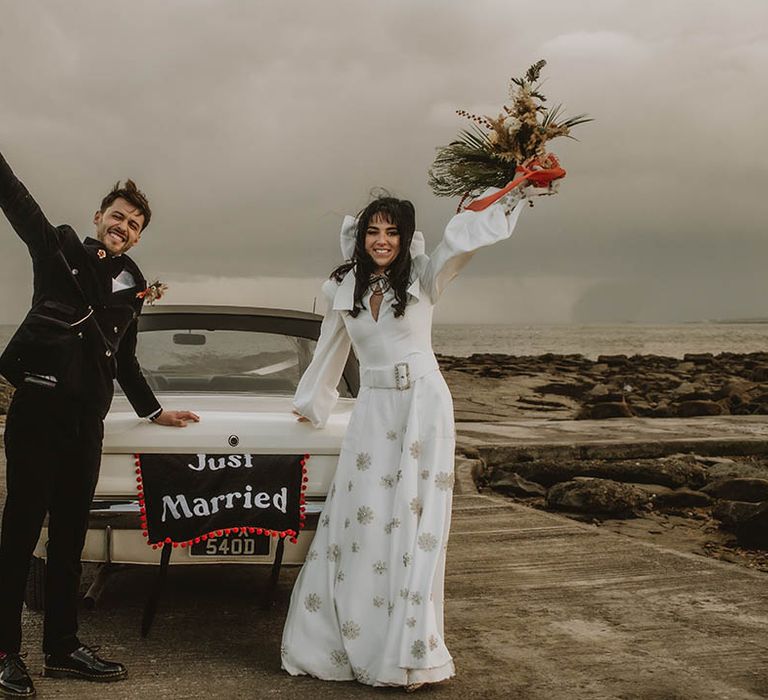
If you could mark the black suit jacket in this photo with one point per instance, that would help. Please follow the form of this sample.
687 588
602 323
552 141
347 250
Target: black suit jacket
108 354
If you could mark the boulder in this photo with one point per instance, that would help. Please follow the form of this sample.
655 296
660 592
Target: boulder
707 460
598 392
681 498
515 485
601 496
735 470
699 358
491 372
652 490
689 409
671 472
748 520
613 360
685 390
665 498
759 407
542 472
608 409
574 390
662 410
748 490
736 387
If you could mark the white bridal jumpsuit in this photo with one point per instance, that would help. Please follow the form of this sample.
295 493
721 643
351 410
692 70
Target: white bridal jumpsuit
368 603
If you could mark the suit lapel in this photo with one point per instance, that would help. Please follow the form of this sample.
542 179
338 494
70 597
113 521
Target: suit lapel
100 278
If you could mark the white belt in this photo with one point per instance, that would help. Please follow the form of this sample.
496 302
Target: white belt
400 375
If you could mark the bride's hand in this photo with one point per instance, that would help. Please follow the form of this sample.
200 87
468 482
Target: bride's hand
300 418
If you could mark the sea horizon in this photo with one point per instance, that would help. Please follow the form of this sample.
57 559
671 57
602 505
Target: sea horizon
589 340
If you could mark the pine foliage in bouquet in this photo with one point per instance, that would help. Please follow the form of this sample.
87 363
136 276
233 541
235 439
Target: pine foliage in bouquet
493 150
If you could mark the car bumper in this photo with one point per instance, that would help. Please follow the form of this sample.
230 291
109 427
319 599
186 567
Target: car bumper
115 537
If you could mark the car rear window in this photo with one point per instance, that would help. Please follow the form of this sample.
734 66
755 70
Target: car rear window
224 361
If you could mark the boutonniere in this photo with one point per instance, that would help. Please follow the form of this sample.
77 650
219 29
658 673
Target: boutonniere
101 253
152 293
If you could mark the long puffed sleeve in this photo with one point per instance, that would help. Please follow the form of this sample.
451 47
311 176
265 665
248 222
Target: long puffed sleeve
316 394
465 234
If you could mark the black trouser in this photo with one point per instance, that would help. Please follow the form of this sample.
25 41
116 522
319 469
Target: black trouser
53 451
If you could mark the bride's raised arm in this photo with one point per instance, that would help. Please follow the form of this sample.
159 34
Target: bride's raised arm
466 233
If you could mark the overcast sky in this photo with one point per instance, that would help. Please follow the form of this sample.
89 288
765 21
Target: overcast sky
254 126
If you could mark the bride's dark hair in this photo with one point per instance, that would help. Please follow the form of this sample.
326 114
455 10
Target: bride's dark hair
400 213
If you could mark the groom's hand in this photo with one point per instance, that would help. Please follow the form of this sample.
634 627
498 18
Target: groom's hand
176 419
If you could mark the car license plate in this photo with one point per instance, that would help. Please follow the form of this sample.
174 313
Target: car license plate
231 546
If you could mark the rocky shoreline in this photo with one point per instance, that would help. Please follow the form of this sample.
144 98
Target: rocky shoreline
488 387
613 386
725 498
715 506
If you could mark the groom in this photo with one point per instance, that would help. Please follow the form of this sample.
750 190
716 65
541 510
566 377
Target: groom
79 335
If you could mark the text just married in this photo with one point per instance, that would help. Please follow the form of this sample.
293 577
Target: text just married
179 507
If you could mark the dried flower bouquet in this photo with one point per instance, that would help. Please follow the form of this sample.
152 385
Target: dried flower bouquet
506 150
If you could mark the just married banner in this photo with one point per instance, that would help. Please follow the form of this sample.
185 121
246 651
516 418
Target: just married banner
188 498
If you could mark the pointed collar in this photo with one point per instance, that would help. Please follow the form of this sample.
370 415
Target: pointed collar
344 298
94 245
114 264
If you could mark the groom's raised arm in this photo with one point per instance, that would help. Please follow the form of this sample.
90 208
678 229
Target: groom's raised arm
24 214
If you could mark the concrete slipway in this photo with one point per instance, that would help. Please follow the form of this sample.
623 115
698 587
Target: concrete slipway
538 607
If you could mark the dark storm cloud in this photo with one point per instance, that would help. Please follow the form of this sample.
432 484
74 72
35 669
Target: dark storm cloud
255 125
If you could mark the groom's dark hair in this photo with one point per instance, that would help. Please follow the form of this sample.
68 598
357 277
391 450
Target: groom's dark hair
131 194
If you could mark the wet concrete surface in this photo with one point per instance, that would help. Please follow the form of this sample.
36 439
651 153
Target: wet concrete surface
538 607
615 438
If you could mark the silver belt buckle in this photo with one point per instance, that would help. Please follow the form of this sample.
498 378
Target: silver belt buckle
402 376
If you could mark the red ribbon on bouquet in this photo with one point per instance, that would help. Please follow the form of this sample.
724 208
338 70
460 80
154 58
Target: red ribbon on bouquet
540 173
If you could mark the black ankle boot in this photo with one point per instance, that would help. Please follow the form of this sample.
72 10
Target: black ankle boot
83 663
14 677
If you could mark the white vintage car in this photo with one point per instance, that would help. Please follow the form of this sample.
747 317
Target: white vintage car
237 368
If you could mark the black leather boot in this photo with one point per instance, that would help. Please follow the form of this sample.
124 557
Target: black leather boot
14 677
84 664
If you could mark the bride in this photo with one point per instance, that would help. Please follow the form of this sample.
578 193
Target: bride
368 603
